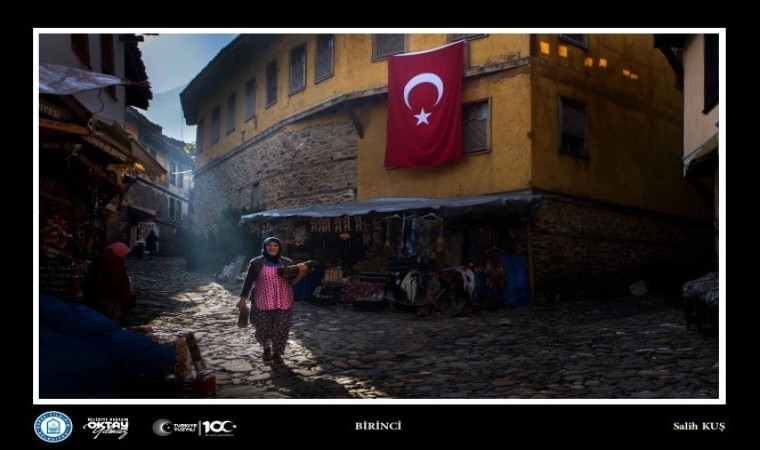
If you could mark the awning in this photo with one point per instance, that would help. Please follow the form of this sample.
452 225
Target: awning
63 80
513 206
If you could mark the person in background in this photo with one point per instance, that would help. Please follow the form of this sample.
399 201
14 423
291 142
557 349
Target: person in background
111 282
151 243
272 299
140 246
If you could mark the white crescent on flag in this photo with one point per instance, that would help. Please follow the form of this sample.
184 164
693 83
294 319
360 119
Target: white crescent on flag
428 77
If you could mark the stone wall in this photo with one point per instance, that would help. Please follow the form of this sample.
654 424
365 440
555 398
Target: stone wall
293 166
589 249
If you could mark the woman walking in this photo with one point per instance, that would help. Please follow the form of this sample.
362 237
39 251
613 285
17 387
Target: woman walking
272 298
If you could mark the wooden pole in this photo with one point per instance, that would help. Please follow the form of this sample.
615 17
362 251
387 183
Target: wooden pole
530 263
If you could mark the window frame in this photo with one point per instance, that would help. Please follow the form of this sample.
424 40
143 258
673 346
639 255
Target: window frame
385 57
269 79
573 41
487 101
250 99
317 78
291 89
466 37
560 103
199 129
215 125
231 113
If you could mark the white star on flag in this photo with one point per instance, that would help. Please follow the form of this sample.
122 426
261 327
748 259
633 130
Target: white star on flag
422 117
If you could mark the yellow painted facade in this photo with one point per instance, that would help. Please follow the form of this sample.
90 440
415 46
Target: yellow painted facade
633 124
633 136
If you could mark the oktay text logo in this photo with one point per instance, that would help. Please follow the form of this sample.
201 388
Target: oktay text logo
53 426
116 426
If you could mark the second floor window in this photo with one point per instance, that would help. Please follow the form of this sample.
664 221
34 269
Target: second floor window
199 137
475 129
250 98
215 125
297 69
459 37
180 177
572 120
272 83
325 44
384 45
173 173
578 40
231 116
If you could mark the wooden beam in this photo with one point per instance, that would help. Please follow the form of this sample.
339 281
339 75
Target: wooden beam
355 119
63 126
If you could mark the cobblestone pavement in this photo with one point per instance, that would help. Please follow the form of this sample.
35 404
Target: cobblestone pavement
626 348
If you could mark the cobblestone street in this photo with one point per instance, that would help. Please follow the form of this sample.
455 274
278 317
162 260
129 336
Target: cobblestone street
626 348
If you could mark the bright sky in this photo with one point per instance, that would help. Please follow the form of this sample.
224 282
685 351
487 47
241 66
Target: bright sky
173 60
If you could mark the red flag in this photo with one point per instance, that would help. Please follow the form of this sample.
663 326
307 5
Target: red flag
425 107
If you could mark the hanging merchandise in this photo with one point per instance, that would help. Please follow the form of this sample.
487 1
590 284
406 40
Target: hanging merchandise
431 231
346 224
411 236
313 224
358 223
393 235
337 226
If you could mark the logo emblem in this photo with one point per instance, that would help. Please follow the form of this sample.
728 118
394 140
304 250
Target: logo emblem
162 427
53 426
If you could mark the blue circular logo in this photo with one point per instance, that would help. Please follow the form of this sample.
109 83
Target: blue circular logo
53 426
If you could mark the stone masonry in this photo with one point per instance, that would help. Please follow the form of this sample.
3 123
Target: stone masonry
582 245
293 167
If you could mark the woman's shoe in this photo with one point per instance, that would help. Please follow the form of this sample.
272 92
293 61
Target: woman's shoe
277 359
267 356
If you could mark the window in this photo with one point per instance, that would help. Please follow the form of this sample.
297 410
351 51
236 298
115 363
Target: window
475 127
459 37
572 119
250 98
215 125
384 45
298 69
255 197
575 39
199 138
325 44
80 44
711 72
107 62
173 173
175 210
231 116
271 83
180 177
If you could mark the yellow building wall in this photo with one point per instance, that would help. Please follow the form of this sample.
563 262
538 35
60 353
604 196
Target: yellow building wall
634 131
698 127
353 71
505 168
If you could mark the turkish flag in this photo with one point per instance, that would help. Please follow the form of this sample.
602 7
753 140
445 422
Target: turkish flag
425 107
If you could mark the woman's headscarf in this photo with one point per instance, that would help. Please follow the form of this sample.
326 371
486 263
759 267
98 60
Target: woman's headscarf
273 259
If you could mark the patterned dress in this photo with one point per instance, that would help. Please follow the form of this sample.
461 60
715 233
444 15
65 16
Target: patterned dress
274 302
